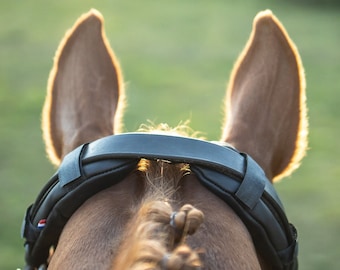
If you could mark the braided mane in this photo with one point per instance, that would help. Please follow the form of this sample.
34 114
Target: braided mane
155 238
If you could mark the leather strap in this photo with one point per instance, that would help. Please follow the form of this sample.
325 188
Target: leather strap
172 148
233 176
184 150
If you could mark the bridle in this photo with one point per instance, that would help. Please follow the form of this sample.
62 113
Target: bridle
233 176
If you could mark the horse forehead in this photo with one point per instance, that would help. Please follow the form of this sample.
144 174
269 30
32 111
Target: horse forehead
102 219
94 231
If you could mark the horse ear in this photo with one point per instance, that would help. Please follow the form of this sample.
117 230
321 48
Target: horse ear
85 93
265 104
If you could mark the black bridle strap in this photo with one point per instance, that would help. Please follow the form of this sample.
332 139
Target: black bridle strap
155 146
214 155
231 175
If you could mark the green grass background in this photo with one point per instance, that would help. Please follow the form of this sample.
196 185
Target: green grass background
176 57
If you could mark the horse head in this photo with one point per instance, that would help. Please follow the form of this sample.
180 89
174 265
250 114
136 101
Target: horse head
162 211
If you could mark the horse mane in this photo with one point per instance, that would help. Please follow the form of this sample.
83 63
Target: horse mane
155 237
182 129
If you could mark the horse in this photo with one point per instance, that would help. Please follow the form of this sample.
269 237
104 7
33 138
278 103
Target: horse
160 214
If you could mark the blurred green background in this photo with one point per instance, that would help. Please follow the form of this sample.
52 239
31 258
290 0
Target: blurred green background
176 57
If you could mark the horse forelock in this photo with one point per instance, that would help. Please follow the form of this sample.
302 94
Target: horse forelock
155 236
162 178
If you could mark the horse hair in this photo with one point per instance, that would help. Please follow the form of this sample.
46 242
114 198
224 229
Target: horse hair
155 238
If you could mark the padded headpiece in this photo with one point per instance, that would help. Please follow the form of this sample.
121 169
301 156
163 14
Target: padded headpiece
234 177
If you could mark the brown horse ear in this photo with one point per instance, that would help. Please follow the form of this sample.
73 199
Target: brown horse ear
265 105
84 89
